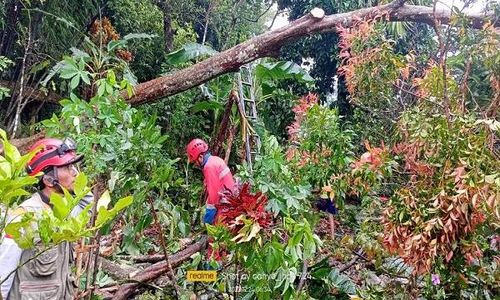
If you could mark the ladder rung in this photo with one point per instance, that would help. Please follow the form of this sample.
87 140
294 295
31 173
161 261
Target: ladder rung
248 100
246 83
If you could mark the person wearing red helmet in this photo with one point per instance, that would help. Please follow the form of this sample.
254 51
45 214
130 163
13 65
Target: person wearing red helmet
217 179
217 176
45 276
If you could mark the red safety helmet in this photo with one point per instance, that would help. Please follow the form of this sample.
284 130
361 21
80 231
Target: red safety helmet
195 148
52 153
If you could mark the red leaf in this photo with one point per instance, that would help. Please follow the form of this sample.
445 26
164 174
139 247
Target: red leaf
449 256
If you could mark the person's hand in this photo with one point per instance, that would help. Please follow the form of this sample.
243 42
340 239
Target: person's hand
209 217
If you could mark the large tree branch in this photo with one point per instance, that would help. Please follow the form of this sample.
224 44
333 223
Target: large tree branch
24 144
34 93
157 269
269 44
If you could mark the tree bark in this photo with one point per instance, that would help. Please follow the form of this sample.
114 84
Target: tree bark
168 33
158 269
116 271
269 44
217 143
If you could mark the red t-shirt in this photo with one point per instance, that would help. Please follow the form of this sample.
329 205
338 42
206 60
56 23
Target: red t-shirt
218 178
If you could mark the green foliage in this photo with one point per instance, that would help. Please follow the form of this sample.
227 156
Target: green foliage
272 174
13 181
132 16
4 64
269 72
475 61
125 147
331 287
275 97
52 227
93 63
325 149
271 264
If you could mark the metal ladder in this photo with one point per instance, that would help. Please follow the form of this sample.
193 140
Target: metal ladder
249 110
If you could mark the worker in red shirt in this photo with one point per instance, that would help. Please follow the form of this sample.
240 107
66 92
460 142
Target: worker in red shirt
217 176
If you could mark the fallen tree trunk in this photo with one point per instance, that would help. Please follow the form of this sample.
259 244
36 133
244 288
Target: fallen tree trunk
269 44
184 243
116 271
24 144
34 93
153 258
158 269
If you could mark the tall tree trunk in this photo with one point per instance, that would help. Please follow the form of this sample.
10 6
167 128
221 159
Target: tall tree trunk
168 32
9 35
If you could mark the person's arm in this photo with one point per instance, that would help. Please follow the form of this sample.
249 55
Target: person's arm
86 200
212 183
10 254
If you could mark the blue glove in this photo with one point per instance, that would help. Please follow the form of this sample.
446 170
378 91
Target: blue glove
326 205
209 217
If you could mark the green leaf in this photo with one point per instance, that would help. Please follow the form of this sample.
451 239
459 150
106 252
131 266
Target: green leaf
112 45
101 89
104 200
11 153
282 70
342 282
127 145
85 77
22 231
60 207
297 237
79 54
6 198
105 215
39 66
122 203
188 52
5 169
80 185
132 36
74 82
